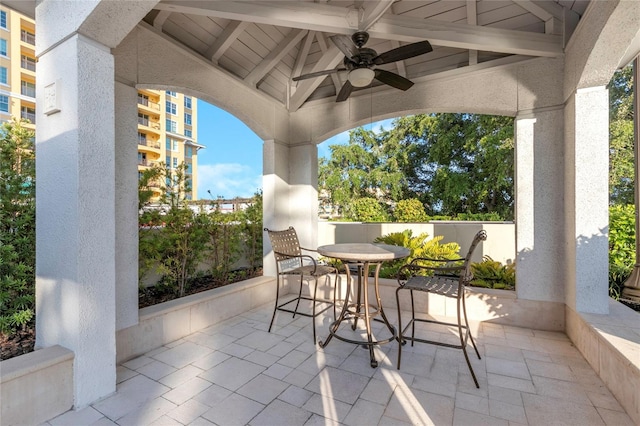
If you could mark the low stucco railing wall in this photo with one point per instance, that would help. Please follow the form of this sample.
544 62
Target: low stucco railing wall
500 243
36 387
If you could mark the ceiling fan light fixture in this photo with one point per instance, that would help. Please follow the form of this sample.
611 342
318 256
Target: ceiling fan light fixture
361 77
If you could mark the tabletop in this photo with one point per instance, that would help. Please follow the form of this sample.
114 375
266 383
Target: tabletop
364 252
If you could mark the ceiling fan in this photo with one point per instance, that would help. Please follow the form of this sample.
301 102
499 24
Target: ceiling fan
360 62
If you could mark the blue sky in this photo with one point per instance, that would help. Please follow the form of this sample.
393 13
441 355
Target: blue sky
231 164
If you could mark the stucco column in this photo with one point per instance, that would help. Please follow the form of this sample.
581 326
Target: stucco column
539 205
75 211
587 199
290 196
126 205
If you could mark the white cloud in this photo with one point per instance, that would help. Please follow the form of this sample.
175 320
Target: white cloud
227 180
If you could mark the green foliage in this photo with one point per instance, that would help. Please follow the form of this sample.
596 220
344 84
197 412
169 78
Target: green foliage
367 166
224 241
17 227
252 233
410 210
174 238
368 210
621 151
622 246
492 274
419 246
451 162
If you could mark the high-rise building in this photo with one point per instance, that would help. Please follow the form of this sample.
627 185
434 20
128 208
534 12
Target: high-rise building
167 121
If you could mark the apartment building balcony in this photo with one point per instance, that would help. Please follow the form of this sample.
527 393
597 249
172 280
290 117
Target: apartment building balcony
147 105
27 63
27 115
149 146
147 163
28 37
149 125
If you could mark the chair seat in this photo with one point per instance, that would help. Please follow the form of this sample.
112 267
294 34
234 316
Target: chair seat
445 286
308 270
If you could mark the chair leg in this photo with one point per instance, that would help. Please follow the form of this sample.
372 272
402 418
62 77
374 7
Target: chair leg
275 307
463 344
464 309
335 290
400 337
295 311
413 318
313 308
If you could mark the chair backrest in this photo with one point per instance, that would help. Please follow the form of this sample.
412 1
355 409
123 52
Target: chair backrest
468 275
285 244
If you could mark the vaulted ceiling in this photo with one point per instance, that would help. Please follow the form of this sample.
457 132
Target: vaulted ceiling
266 44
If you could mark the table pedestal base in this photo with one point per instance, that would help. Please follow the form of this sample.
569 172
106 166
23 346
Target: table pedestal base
361 309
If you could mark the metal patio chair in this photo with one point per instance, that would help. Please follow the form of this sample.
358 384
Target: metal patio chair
290 262
449 280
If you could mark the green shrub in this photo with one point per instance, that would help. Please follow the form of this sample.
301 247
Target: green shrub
622 246
368 210
492 274
410 210
17 227
419 246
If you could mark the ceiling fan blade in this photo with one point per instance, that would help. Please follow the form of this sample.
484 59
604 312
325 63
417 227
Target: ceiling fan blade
345 45
346 90
403 52
317 74
393 79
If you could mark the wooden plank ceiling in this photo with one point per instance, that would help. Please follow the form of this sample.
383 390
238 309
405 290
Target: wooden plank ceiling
265 44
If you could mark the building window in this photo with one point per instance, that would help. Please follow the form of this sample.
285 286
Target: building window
167 145
171 108
188 133
3 47
28 63
143 99
187 102
28 37
189 169
175 147
143 119
142 138
28 114
4 103
172 126
187 118
4 75
188 151
170 93
3 19
175 162
168 161
28 89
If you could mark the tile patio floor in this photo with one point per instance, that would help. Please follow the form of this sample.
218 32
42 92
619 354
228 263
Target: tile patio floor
235 373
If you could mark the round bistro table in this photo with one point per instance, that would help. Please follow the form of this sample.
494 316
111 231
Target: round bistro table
363 256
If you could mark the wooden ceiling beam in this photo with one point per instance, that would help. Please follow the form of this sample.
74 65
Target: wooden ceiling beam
338 20
226 39
275 56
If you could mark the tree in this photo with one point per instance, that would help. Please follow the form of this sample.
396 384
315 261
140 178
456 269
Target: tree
17 226
453 163
366 167
461 163
621 155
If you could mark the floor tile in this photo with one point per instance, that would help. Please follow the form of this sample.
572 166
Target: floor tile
85 416
232 373
338 384
212 395
418 407
506 411
295 395
280 413
183 354
156 370
364 413
131 395
233 410
463 417
188 412
545 410
472 403
263 389
148 413
327 407
187 390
